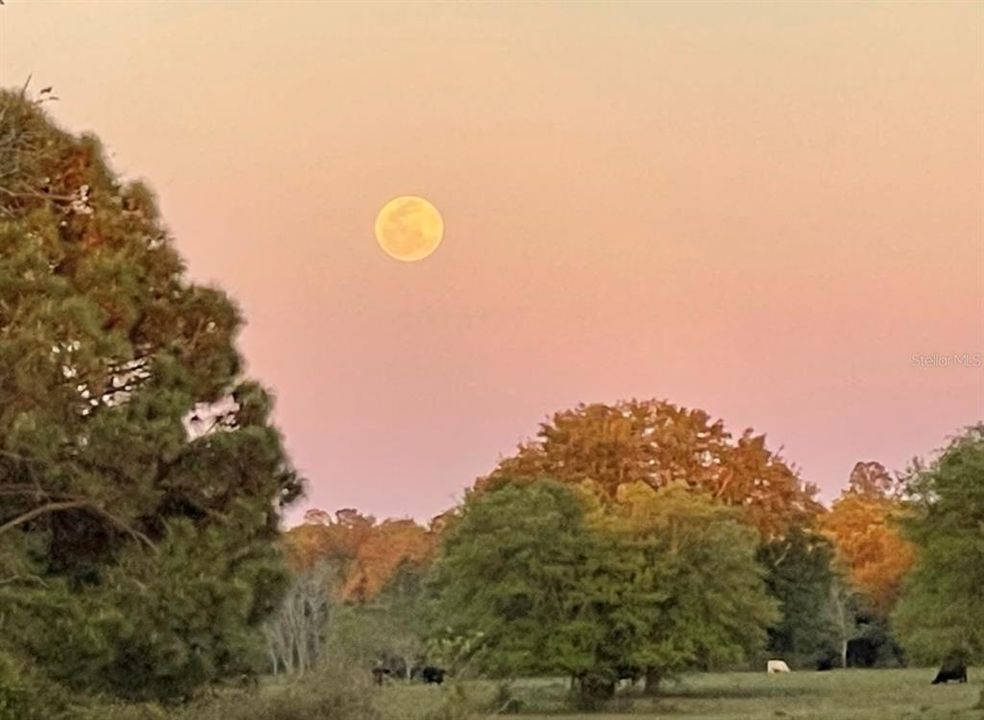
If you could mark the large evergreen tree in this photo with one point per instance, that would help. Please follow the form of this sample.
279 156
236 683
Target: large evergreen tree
140 478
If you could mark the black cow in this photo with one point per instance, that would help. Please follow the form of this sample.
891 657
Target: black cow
952 669
432 675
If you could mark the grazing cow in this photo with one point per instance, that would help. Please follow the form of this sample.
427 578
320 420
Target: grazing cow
952 669
432 675
776 666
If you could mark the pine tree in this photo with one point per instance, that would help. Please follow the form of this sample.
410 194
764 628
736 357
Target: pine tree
140 477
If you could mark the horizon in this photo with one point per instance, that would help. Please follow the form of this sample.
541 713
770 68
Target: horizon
771 216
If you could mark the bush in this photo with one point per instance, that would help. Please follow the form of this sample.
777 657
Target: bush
321 695
504 702
456 706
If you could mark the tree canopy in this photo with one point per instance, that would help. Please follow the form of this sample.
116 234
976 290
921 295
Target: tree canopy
553 584
863 526
140 476
942 606
367 553
799 575
658 443
693 581
512 570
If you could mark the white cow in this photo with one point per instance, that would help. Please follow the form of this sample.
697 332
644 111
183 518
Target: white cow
776 666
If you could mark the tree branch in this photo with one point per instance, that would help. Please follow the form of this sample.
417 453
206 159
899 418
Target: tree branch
42 510
36 195
22 578
77 505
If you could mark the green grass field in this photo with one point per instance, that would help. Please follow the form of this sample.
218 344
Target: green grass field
838 695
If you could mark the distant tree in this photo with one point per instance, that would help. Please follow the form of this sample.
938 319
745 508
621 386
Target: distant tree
141 480
392 545
942 606
863 525
297 634
870 479
841 612
395 617
658 443
369 552
800 577
323 537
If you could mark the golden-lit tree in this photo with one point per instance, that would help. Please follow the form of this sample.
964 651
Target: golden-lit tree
658 443
388 545
366 552
868 546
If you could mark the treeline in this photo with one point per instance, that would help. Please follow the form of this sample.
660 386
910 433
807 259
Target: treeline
639 540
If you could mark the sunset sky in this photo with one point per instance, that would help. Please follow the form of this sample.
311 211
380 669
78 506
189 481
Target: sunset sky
760 209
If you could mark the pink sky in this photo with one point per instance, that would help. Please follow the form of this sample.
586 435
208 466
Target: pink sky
764 210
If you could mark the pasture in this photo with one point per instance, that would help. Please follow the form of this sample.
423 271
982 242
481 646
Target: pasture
837 695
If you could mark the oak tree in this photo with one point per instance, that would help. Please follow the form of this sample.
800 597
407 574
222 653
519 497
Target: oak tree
658 443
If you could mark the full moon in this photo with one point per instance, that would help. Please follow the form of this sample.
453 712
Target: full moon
409 228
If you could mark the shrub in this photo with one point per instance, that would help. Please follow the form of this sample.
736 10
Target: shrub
322 695
456 706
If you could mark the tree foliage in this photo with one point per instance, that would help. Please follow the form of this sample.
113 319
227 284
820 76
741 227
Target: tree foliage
367 552
693 596
512 569
658 443
863 526
551 582
799 576
942 605
297 634
395 620
140 478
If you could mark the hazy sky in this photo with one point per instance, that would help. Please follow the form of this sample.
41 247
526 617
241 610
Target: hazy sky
764 210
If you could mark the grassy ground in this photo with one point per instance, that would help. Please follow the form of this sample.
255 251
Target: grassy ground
838 695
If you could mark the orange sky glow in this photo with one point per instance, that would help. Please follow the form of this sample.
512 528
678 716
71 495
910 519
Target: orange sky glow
761 209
